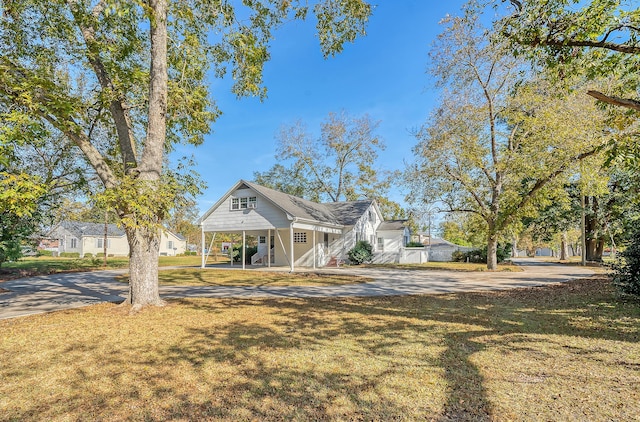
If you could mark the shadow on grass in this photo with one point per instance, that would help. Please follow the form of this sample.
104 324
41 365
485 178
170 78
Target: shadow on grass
511 316
326 359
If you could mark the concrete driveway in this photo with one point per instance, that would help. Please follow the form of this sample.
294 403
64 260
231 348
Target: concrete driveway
71 290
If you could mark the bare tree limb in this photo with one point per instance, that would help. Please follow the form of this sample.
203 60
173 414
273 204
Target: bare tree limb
622 102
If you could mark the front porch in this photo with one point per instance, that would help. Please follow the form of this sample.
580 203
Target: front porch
300 245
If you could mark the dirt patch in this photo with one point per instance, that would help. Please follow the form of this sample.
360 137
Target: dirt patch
7 274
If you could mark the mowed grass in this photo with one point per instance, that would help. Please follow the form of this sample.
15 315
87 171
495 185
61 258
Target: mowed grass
565 352
223 277
27 267
449 266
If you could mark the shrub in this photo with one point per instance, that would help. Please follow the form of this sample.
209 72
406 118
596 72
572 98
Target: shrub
190 253
70 254
625 270
237 253
88 255
44 252
458 256
362 252
414 245
479 256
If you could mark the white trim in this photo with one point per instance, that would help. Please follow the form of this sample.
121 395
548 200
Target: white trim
244 247
202 246
291 246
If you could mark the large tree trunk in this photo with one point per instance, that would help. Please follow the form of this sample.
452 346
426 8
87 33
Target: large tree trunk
564 247
492 252
144 240
144 247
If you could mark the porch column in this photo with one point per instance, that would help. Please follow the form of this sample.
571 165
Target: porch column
314 248
269 248
244 249
291 245
202 247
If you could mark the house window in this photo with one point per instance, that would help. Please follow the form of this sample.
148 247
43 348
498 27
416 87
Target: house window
299 237
262 239
100 243
381 244
74 243
170 245
244 203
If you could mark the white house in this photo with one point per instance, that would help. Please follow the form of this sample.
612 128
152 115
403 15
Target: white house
88 238
292 231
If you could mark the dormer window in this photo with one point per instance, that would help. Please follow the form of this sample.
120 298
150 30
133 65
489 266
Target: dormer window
247 202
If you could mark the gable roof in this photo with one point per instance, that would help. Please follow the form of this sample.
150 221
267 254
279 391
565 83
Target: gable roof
348 213
83 228
293 205
393 225
344 213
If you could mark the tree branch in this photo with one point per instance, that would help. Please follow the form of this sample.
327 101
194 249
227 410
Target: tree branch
117 106
621 102
527 197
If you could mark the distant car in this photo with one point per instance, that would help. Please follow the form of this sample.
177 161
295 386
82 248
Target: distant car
28 251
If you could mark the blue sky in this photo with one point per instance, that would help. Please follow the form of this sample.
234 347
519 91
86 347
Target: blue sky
381 74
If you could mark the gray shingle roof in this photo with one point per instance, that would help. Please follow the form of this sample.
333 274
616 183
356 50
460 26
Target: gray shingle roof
337 213
79 228
348 213
392 225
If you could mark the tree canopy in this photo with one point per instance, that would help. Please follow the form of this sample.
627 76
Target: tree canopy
595 38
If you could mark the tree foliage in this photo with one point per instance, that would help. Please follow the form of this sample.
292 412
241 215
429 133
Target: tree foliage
20 196
625 271
338 165
595 38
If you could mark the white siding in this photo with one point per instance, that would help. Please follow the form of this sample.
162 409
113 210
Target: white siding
363 229
263 217
393 240
179 246
116 246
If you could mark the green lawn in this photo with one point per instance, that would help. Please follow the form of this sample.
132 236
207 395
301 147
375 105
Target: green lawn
26 267
222 277
565 352
448 266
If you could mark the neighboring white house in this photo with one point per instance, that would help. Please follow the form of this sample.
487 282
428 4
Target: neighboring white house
88 238
292 231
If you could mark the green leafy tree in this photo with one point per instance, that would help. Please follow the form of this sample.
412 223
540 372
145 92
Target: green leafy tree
19 198
290 180
124 81
625 271
498 141
594 38
338 165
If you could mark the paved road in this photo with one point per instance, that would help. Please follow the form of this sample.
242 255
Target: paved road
70 290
